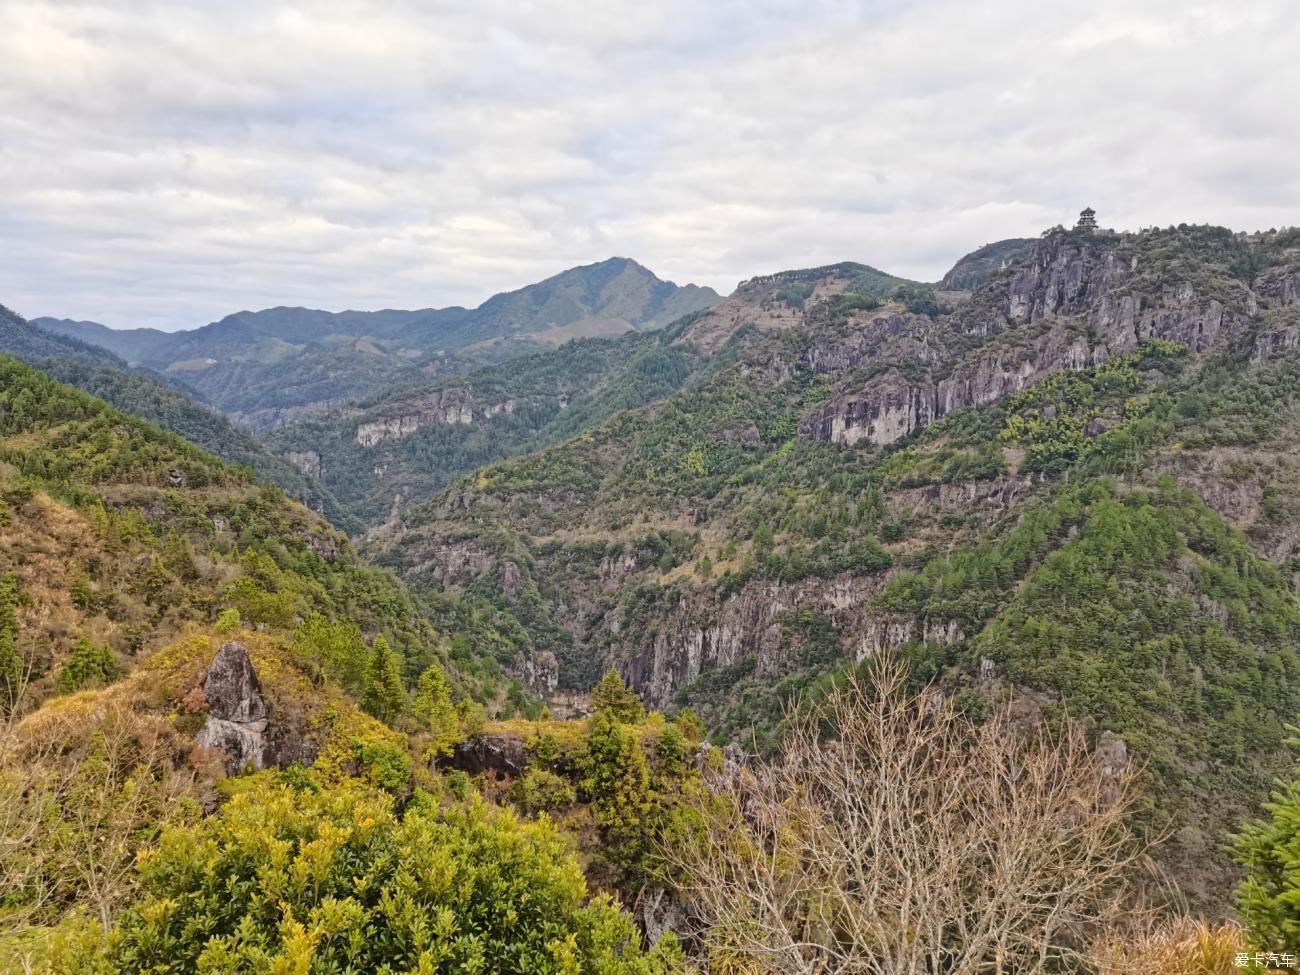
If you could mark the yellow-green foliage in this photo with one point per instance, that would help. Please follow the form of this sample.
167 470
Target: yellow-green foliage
435 712
538 790
633 775
612 694
298 881
124 535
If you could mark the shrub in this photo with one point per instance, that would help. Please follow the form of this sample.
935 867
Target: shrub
538 790
295 881
383 763
228 621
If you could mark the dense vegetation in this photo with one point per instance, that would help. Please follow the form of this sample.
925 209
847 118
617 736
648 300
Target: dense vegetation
149 396
275 365
302 879
551 396
119 536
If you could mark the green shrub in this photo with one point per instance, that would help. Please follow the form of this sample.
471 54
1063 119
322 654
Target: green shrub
228 621
383 763
538 790
295 881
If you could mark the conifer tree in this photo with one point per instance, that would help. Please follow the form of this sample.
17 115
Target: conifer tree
435 710
91 665
612 695
384 696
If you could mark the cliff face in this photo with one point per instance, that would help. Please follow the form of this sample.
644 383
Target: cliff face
455 405
1070 306
980 266
703 633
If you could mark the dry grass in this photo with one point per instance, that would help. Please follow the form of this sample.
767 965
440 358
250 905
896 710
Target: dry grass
1184 946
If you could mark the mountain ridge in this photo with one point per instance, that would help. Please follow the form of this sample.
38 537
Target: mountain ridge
264 367
155 398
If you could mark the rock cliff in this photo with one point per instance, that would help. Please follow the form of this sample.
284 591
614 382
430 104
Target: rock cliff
1070 305
454 405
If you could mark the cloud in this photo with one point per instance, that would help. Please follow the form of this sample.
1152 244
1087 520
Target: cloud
165 163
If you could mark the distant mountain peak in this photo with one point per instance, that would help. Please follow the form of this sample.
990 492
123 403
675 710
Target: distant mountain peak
267 366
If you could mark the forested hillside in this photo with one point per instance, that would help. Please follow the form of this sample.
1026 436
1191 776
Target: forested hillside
406 445
150 397
1075 481
273 366
192 665
119 538
1028 555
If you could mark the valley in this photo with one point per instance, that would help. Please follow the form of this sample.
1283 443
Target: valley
595 547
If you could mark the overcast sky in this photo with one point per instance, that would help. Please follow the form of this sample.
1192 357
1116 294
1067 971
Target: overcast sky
167 163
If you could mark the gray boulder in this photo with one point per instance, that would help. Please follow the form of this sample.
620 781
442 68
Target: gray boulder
237 715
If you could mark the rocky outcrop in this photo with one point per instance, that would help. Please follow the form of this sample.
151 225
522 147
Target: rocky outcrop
1279 286
538 671
240 723
1068 307
326 546
307 461
454 405
502 756
510 579
237 715
452 563
887 410
1279 291
704 633
985 501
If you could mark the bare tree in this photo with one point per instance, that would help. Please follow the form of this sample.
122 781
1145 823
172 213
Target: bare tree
83 785
894 836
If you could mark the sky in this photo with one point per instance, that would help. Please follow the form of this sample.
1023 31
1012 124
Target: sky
164 164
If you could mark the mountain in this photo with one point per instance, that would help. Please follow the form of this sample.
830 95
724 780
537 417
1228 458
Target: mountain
402 447
272 366
151 397
128 344
21 339
1076 481
1068 499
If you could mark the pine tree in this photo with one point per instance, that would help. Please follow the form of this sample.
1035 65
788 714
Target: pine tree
612 695
1267 899
384 697
435 711
91 665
